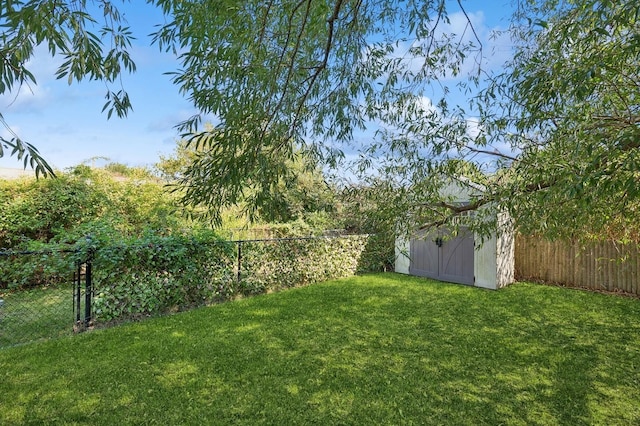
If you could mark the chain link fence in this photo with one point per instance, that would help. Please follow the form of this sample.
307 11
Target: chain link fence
39 295
46 294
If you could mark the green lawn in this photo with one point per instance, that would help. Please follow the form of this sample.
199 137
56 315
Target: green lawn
39 313
377 349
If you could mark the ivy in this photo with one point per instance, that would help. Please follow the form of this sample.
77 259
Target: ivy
163 274
157 274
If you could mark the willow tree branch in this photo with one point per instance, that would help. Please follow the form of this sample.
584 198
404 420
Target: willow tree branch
322 65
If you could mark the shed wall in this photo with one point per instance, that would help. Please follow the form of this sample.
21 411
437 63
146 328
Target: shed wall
505 252
402 256
485 269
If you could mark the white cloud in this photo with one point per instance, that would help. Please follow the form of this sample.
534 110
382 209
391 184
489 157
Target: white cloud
28 98
33 97
473 127
425 106
42 65
469 28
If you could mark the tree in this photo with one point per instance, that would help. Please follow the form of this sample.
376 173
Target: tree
109 202
91 50
299 193
553 137
281 76
286 75
570 99
564 113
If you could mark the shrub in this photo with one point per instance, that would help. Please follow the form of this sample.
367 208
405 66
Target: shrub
156 274
134 277
290 262
65 209
38 264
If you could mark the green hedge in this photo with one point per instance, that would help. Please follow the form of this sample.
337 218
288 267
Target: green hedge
172 273
136 277
159 274
270 265
37 266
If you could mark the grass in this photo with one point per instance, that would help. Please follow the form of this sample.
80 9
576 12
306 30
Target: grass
377 349
34 314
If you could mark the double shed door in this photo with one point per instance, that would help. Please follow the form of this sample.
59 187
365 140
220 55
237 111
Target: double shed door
440 256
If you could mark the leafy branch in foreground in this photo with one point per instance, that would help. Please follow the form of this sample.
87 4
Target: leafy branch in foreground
89 49
575 97
287 75
556 132
24 151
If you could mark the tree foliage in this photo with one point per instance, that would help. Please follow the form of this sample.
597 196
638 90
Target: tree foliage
556 133
570 97
282 75
299 193
553 138
85 201
90 37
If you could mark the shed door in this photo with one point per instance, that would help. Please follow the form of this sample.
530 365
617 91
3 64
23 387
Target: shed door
446 260
424 258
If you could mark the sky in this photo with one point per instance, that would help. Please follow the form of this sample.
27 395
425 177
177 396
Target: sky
67 126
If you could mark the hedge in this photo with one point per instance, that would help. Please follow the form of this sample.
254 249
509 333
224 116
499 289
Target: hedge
160 274
133 278
270 265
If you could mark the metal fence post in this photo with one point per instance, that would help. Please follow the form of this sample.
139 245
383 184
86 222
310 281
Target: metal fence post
77 291
239 259
88 290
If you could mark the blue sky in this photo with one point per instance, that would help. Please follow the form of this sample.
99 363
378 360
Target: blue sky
66 124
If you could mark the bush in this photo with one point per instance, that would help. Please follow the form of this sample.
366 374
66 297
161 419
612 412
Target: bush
134 277
159 274
283 263
38 264
66 208
156 274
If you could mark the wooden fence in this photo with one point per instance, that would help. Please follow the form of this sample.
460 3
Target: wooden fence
599 266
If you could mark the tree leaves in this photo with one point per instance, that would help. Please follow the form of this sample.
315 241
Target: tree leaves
575 102
284 75
68 29
24 151
557 131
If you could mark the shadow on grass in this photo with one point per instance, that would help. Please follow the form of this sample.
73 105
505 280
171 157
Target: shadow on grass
377 349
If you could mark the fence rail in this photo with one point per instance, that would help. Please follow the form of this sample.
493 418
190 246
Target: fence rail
602 266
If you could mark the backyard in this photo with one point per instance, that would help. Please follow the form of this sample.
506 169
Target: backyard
373 349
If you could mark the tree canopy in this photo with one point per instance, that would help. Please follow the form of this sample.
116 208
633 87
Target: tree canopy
570 102
553 136
288 76
301 193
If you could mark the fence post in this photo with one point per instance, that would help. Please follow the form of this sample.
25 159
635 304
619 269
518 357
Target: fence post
88 290
78 291
239 260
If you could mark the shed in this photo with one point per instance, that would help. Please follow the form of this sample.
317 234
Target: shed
465 258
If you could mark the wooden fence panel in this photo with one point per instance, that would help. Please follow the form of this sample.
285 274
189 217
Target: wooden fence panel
605 265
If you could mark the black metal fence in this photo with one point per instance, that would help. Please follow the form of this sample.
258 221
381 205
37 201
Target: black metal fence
52 293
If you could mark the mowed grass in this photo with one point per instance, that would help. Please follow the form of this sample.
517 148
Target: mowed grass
34 314
376 349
